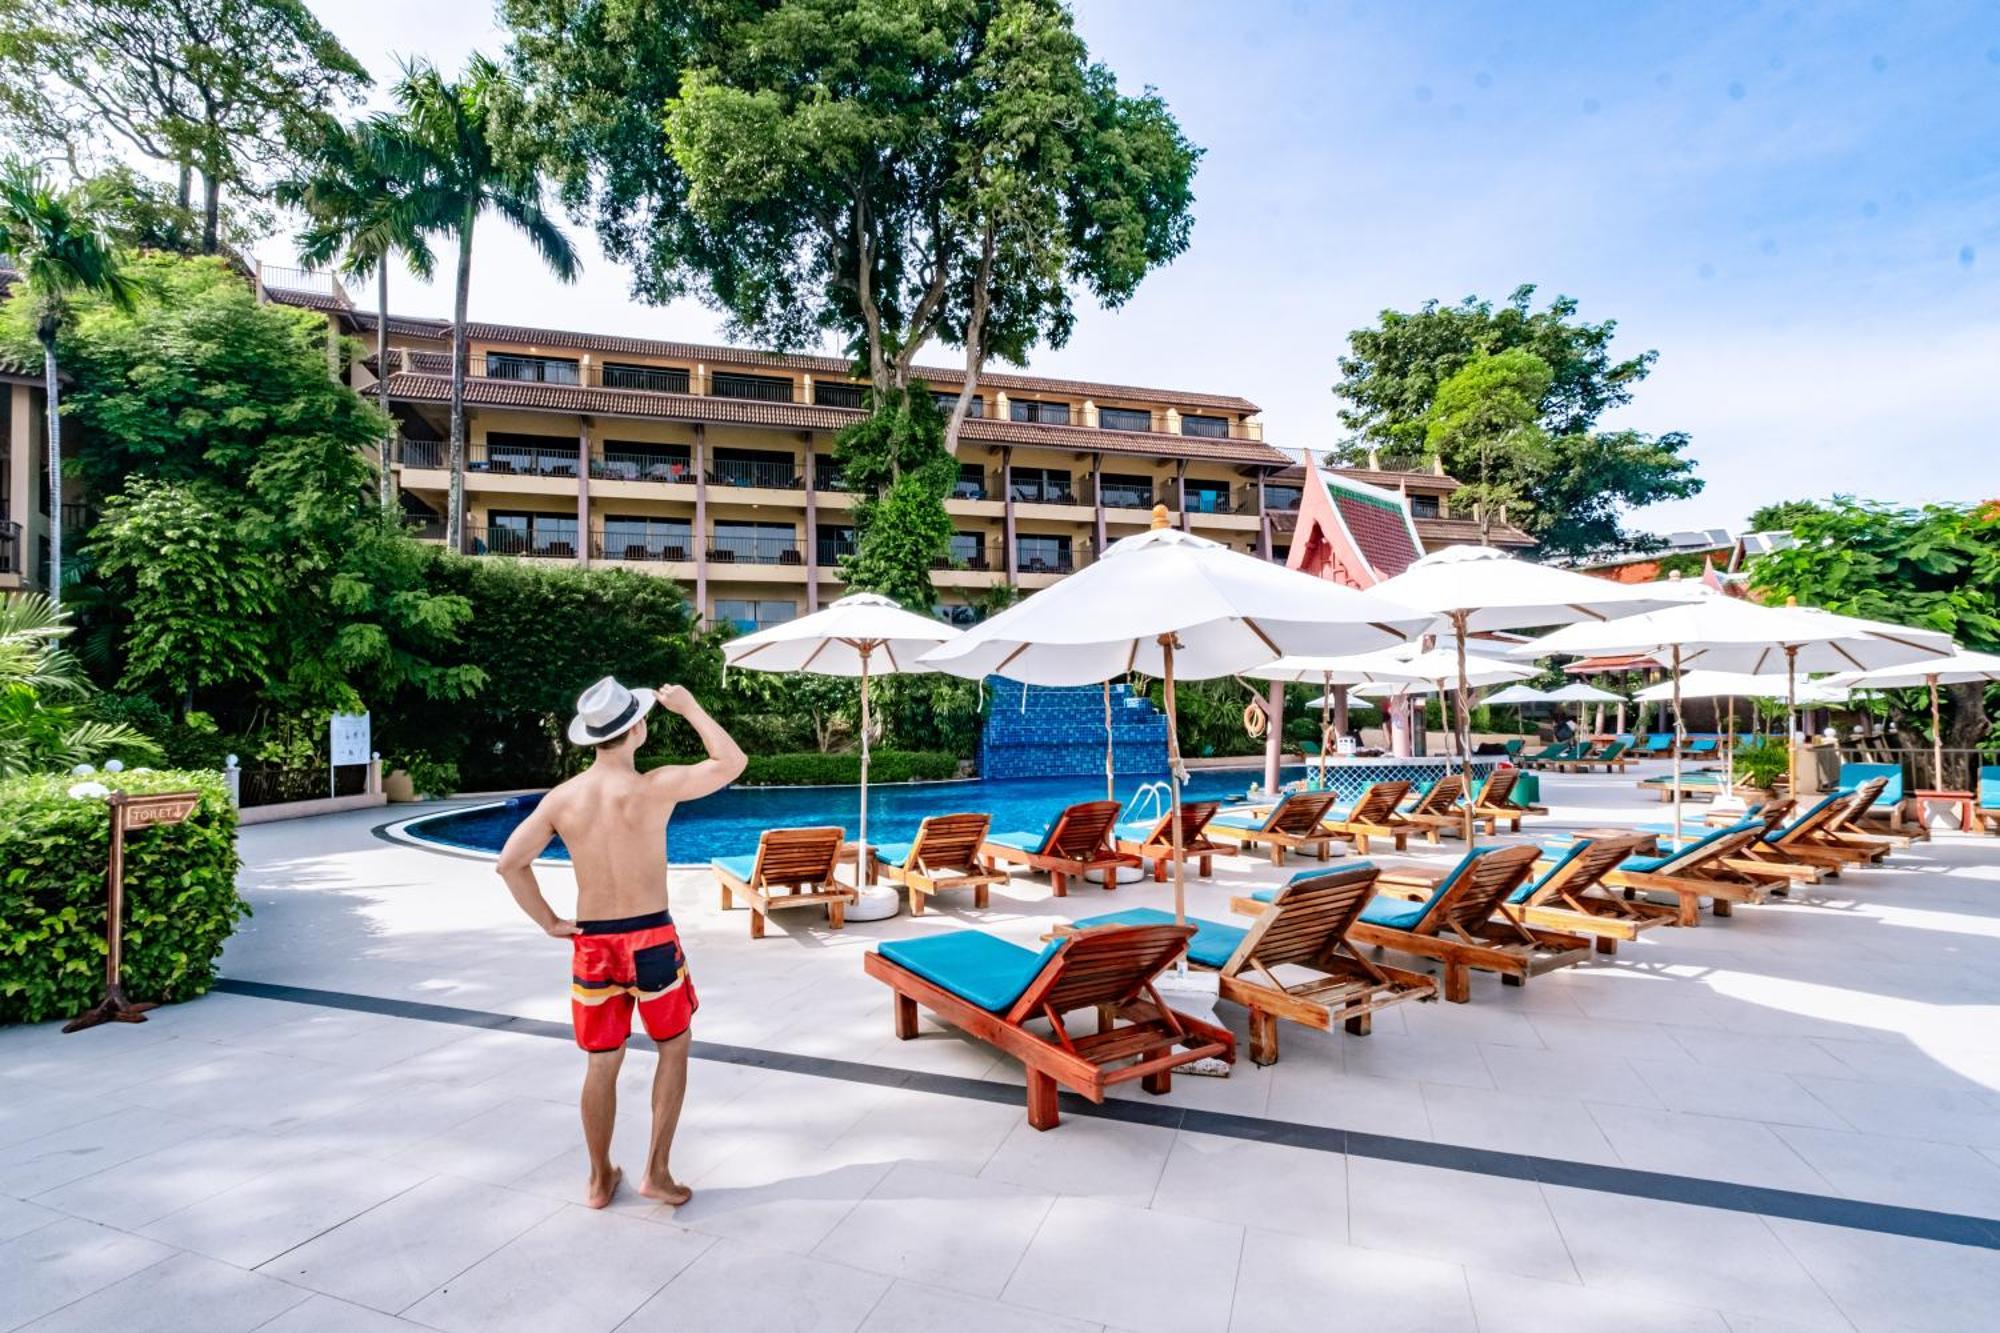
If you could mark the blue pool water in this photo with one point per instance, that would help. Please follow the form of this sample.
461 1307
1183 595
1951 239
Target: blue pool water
730 822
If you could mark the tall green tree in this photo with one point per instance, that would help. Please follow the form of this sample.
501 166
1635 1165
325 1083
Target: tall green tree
1577 486
884 173
61 248
1937 567
463 147
1782 515
1484 424
360 211
209 87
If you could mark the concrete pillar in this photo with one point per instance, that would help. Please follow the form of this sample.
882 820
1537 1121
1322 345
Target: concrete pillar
1274 738
583 490
1263 521
1007 521
812 519
1097 494
1180 493
700 522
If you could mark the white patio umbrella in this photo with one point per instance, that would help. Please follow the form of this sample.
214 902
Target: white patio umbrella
1582 692
1177 606
1734 685
1959 668
1477 588
1728 633
1518 695
863 634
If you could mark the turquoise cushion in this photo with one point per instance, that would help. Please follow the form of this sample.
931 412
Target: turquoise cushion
1249 823
1527 890
1020 841
1270 895
739 866
1213 944
1702 745
1395 913
980 968
1777 834
1649 863
894 853
1853 775
1989 788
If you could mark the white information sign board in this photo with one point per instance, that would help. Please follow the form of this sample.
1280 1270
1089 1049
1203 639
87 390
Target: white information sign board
349 738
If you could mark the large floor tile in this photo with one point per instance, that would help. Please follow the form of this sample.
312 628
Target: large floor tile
735 1285
579 1271
1732 1090
949 1133
1706 1146
1658 1251
1912 1110
777 1193
324 1314
263 1217
1129 1267
393 1255
147 1188
910 1308
18 1217
51 1266
1516 1122
1479 1221
1915 1173
56 1158
498 1145
1508 1303
1896 1282
183 1291
1319 1095
258 1090
1288 1283
1268 1185
941 1228
1107 1160
1575 1074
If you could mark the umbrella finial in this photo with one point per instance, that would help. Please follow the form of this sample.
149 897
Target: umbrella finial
1159 516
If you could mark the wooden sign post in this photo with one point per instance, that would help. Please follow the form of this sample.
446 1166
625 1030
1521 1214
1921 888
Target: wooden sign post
127 813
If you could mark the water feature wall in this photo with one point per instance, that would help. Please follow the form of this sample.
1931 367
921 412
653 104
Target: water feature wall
1041 731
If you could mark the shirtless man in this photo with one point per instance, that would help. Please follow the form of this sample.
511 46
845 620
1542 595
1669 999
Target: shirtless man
625 951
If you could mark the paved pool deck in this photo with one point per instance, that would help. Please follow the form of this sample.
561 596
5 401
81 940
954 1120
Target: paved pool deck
1785 1120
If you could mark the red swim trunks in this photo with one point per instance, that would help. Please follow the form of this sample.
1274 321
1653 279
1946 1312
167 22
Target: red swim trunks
617 964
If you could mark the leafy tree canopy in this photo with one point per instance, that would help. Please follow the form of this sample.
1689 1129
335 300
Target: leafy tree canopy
1571 482
205 86
1783 515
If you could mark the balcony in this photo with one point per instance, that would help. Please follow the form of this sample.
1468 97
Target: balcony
981 558
756 551
618 465
743 472
491 460
558 543
639 548
1125 495
10 547
827 476
973 487
1043 491
648 379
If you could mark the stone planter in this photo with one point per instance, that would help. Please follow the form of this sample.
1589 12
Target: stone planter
398 787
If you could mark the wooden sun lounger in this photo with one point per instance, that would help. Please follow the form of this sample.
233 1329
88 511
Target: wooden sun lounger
1302 925
1810 839
1569 894
944 856
1494 801
1465 923
1552 755
1295 824
1437 809
1610 755
1893 813
1157 843
1077 843
793 868
990 989
1986 800
1714 867
1373 815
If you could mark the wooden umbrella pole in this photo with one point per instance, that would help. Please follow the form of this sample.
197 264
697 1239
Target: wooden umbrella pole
1325 724
1110 760
1174 777
1791 722
1937 736
1680 738
861 852
1464 730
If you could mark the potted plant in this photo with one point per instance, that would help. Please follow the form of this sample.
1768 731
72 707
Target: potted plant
1758 768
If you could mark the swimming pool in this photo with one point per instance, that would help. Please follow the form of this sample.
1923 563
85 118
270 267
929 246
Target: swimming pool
730 822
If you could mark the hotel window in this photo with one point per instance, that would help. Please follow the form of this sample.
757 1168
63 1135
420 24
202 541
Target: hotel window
1283 497
1424 506
756 544
971 484
828 475
1041 414
642 460
654 379
1125 491
515 533
1207 497
1042 555
968 551
1214 428
748 615
755 467
538 369
637 537
528 455
835 541
836 394
1123 418
946 402
1044 485
763 388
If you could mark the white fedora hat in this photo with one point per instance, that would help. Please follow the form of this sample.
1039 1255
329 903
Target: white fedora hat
606 710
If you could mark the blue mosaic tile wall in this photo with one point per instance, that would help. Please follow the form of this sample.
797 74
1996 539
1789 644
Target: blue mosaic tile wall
1053 732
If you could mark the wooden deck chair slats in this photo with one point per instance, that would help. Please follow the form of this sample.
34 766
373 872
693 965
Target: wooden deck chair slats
1437 808
1295 824
1157 843
1078 842
943 857
1373 815
1713 867
1570 895
1494 801
793 868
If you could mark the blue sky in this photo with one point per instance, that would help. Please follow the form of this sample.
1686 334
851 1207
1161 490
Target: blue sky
1797 206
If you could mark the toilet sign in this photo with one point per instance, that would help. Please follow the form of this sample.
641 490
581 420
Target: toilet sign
348 742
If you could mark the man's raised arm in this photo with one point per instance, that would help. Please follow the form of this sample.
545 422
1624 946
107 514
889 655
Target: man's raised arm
725 760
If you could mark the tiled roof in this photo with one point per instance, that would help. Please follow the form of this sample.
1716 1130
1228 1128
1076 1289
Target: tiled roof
1378 528
1426 481
528 396
1438 532
811 364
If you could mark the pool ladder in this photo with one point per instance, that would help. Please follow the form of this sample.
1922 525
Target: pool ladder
1154 798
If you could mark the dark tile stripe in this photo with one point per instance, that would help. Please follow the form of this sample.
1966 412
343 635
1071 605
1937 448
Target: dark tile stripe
1854 1214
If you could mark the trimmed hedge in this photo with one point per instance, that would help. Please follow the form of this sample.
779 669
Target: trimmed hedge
812 769
181 903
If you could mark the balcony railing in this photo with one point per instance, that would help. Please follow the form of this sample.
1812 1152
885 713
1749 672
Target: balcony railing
1043 492
755 551
617 465
10 547
504 460
1125 496
772 476
830 550
982 558
640 547
1210 502
651 379
557 543
1030 560
969 488
828 476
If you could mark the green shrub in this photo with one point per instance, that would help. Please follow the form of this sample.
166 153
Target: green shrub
1762 764
824 770
181 902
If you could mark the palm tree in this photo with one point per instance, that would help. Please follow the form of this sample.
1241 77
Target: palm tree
39 730
359 211
61 247
469 160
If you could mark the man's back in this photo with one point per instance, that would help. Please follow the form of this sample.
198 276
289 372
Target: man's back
613 820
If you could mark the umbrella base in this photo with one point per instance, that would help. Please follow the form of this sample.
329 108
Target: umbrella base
1123 875
876 903
1194 994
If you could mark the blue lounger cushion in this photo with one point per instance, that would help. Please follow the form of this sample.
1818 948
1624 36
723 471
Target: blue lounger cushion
1527 890
1020 840
739 866
1822 803
1853 775
1213 944
1394 913
1647 864
979 968
894 853
1989 787
1249 823
1337 868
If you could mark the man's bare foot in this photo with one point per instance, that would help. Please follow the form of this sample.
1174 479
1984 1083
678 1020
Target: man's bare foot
672 1193
601 1191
